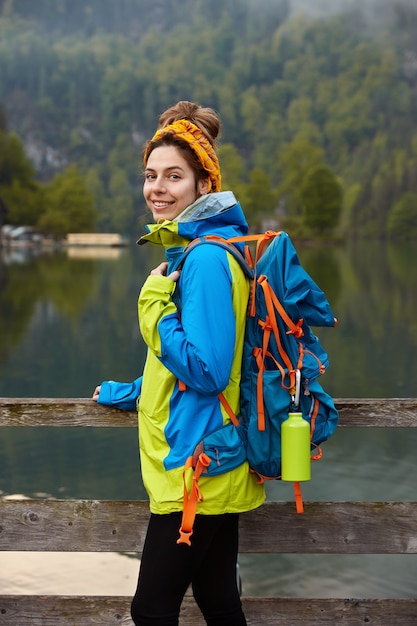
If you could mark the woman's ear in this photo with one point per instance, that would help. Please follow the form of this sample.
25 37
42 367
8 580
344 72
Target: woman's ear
202 186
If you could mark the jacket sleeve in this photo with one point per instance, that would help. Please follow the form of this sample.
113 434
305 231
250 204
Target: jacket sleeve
120 395
196 345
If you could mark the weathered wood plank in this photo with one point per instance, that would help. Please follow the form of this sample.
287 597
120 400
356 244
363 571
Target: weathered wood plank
375 412
331 528
110 526
106 611
330 612
62 412
73 525
64 610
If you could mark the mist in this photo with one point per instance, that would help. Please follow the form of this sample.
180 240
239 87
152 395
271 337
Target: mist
371 8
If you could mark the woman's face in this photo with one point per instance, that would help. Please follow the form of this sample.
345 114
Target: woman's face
170 185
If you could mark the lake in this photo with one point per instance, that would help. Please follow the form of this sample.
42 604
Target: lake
68 321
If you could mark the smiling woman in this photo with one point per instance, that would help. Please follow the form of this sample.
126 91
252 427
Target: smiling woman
181 164
191 359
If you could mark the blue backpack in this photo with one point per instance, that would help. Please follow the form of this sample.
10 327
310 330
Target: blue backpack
282 360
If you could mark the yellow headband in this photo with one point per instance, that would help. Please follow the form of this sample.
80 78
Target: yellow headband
191 134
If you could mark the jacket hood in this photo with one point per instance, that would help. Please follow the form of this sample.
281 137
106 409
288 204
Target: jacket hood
216 213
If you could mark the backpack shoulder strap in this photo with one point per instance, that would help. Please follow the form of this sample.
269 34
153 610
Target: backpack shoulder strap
223 243
261 240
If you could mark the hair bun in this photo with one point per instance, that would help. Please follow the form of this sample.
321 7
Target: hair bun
204 118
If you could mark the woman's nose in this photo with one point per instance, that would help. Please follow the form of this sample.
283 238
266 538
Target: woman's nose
159 184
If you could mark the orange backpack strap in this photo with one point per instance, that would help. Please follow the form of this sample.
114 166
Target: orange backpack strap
228 409
295 328
273 325
319 453
192 498
198 464
260 239
261 242
298 498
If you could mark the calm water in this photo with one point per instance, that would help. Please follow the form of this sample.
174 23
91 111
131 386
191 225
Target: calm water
68 321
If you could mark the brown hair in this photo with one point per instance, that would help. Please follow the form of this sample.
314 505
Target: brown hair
204 118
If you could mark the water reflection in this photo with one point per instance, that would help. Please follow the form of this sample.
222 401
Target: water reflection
67 322
84 463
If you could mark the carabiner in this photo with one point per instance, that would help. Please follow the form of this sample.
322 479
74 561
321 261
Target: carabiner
295 399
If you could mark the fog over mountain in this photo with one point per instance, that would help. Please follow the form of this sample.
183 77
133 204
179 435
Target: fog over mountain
134 18
377 15
371 8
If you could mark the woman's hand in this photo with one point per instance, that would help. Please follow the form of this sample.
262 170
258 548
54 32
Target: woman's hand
161 270
96 393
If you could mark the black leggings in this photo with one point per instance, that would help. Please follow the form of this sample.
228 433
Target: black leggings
209 565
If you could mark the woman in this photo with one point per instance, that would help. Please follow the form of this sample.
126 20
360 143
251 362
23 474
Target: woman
193 324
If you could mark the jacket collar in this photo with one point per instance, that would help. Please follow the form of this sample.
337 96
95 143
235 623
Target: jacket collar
216 213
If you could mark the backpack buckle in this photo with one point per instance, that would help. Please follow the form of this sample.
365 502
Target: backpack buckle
185 536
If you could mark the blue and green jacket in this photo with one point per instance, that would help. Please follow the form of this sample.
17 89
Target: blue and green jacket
194 330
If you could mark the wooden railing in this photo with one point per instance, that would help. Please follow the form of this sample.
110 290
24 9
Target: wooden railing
116 526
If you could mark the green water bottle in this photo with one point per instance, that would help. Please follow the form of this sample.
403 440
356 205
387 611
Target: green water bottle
295 448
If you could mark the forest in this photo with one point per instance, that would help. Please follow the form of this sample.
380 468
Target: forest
311 101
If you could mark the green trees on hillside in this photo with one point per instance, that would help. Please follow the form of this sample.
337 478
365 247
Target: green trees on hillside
295 162
19 191
322 197
68 205
402 222
62 206
294 93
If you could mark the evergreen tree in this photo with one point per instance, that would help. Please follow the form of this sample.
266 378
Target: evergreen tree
14 165
261 199
321 196
20 192
3 119
402 221
69 205
233 172
295 161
